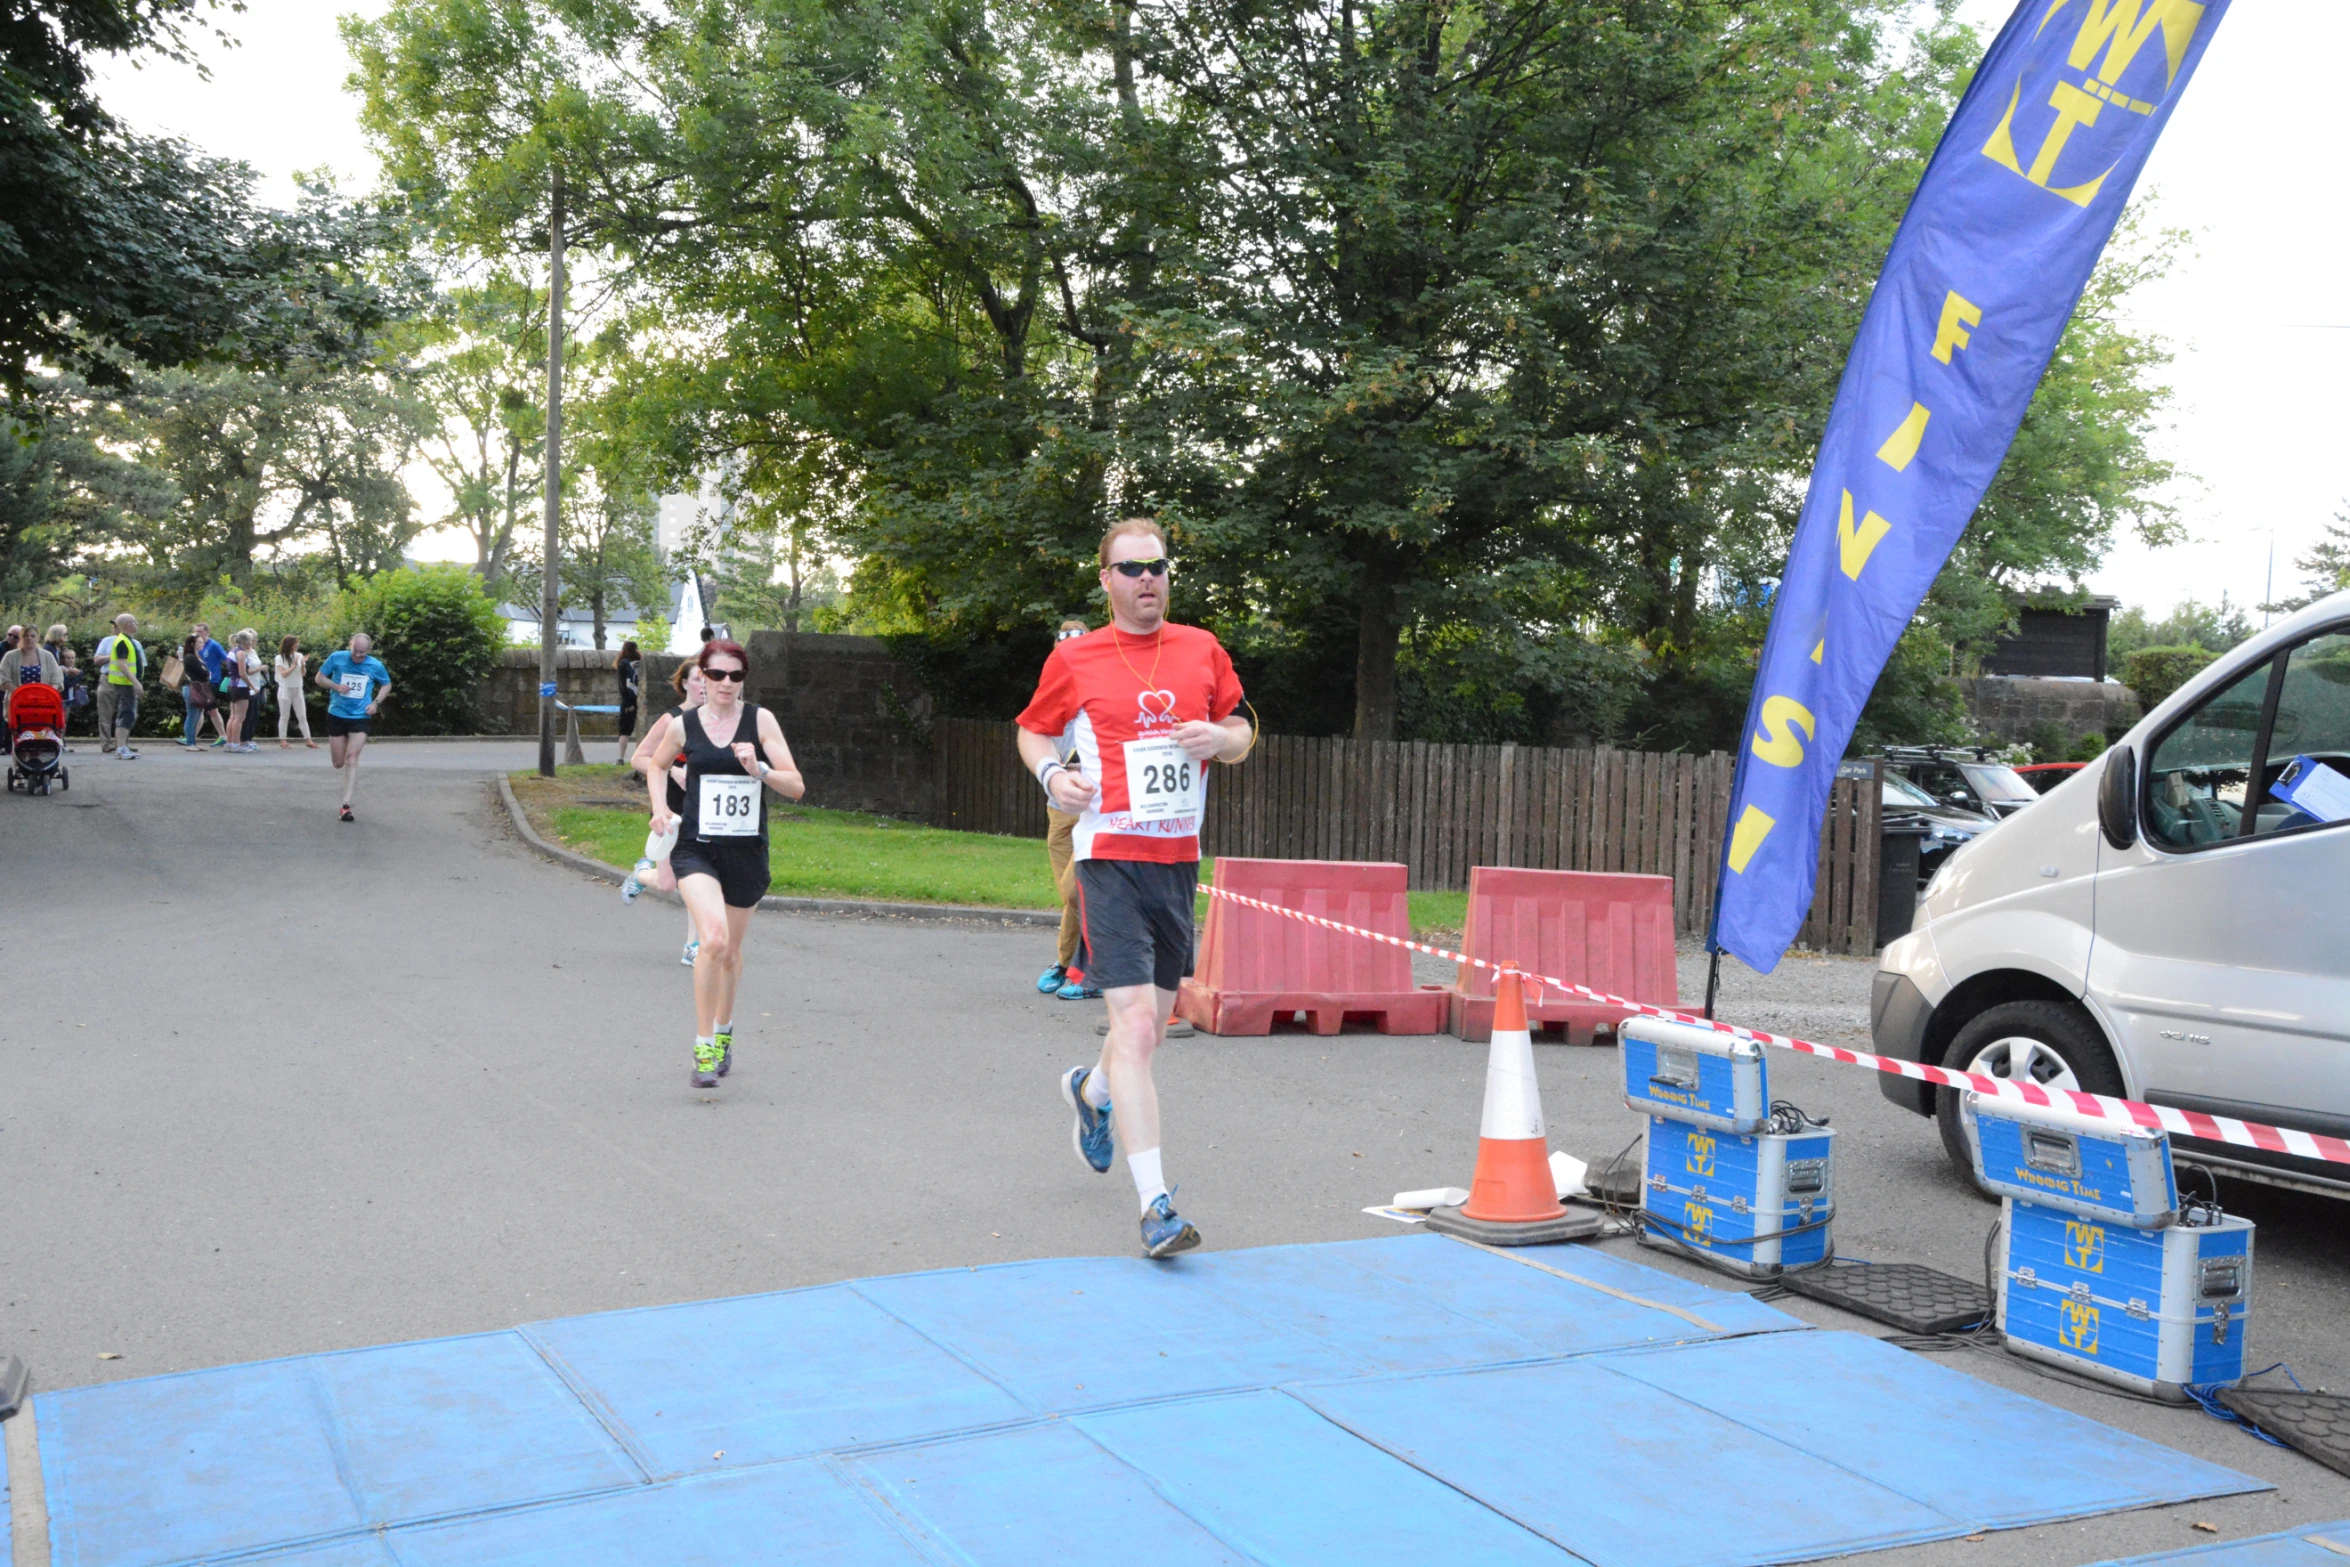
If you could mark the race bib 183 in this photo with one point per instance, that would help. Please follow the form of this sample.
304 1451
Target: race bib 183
729 806
1162 783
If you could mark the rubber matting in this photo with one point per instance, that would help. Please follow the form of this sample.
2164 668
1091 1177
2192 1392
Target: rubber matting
2314 1423
1399 1400
2311 1545
1904 1295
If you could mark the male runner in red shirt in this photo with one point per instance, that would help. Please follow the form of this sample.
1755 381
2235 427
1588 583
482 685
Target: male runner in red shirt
1149 705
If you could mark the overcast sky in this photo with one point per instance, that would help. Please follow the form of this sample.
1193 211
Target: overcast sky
2262 408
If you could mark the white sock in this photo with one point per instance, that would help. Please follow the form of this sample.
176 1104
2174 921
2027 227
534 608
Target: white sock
691 934
1149 1184
1094 1088
703 1042
726 1027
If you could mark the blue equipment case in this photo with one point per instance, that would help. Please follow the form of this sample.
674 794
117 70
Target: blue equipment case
1730 1198
2120 1175
1694 1075
2152 1310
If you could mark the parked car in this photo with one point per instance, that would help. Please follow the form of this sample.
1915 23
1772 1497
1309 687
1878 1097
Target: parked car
1941 828
1973 778
2164 924
2044 776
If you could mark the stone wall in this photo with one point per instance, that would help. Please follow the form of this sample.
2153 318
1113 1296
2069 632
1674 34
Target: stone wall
2011 707
508 700
856 718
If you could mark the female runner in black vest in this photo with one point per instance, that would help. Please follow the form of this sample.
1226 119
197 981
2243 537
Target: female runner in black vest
734 753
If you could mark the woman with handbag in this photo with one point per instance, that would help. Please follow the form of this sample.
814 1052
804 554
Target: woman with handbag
196 695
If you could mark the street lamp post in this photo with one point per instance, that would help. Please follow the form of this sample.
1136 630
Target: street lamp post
550 580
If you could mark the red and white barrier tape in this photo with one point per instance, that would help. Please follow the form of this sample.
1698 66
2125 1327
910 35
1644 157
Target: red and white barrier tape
2183 1123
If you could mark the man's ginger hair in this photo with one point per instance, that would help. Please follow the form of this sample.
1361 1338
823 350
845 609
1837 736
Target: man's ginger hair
1131 525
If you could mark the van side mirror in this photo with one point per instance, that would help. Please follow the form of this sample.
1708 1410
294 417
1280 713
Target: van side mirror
2117 797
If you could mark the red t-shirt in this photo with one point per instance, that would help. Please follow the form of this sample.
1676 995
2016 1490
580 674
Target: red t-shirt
1119 697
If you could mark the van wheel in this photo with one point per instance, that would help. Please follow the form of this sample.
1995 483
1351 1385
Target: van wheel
2044 1041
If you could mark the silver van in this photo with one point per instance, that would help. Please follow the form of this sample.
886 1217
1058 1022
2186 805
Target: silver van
2170 924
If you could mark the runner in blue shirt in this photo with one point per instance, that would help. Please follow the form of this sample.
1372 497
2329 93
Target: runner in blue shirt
357 684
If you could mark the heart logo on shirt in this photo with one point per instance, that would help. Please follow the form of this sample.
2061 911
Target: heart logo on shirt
1158 707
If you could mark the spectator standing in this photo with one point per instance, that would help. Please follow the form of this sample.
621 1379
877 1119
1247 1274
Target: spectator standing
240 680
292 703
196 689
27 663
629 666
56 644
214 658
77 690
121 671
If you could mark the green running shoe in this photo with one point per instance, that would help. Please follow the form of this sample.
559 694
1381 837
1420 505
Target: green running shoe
705 1064
724 1040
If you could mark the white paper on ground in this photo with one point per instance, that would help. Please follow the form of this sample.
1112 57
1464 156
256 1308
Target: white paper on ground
1433 1197
1399 1215
1567 1172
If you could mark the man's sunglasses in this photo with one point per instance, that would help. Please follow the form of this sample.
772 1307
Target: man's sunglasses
1156 566
724 674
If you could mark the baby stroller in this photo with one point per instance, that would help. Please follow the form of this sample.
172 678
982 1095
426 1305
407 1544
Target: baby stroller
36 739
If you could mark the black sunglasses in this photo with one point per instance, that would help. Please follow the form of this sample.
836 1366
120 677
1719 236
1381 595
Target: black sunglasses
725 674
1156 566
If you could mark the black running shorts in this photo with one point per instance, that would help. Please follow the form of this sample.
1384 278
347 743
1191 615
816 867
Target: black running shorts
1137 916
740 868
346 726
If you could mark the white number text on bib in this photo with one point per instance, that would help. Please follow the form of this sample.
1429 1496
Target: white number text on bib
729 806
1163 784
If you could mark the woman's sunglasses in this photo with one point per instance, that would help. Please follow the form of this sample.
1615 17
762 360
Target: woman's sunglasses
736 675
1156 566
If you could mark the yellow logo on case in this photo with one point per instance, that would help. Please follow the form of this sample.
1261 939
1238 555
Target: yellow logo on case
2084 1246
2076 1326
1701 1153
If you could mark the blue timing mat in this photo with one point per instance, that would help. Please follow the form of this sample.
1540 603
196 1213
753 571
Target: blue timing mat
1399 1400
2311 1545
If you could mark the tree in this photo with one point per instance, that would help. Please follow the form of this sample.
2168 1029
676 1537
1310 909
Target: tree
2325 569
262 460
2216 627
119 251
66 493
1476 352
482 352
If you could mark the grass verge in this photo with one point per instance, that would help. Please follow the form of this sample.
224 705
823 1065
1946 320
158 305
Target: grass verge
599 812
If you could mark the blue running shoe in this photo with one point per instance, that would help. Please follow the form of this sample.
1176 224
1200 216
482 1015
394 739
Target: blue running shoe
1164 1232
691 948
1051 979
637 880
1090 1136
1079 990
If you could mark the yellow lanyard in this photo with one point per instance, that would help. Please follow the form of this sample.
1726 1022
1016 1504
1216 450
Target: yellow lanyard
1158 647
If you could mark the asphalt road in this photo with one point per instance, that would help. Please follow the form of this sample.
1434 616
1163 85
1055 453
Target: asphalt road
270 1084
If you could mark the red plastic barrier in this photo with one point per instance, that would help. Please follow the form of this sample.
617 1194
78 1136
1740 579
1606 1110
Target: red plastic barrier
1255 968
1611 932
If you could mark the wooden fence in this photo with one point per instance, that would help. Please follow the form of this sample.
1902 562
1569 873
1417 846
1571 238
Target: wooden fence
1441 809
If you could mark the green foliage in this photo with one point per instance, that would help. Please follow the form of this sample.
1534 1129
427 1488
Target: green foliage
1914 703
653 633
122 250
438 632
1476 355
2155 672
2325 569
2218 627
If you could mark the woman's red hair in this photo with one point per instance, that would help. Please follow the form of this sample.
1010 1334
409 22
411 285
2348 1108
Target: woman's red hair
723 646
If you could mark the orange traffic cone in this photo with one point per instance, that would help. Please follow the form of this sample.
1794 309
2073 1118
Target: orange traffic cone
1513 1198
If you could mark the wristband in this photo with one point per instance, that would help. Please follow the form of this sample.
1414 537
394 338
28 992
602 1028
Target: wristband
1045 770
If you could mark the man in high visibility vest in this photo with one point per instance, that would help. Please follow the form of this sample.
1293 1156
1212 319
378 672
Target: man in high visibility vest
122 667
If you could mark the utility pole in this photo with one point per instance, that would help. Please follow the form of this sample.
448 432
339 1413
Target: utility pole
550 580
